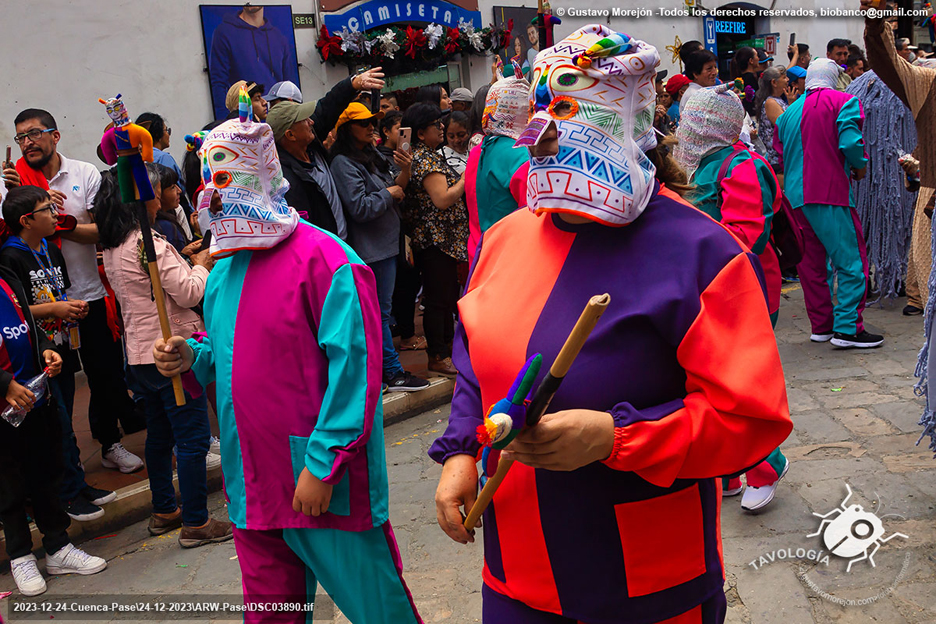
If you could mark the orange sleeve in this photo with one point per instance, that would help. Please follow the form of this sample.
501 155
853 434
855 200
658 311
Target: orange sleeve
140 137
735 411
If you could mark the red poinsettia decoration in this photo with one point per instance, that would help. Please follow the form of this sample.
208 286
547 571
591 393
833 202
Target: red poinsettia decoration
415 39
328 44
451 41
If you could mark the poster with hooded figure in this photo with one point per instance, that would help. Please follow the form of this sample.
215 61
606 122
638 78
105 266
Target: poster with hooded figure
247 42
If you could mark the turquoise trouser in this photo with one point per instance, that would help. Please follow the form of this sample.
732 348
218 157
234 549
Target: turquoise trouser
361 571
833 240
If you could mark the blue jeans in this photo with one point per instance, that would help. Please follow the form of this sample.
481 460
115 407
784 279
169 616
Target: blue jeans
385 275
168 425
62 389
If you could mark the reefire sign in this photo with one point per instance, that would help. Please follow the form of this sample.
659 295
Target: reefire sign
731 27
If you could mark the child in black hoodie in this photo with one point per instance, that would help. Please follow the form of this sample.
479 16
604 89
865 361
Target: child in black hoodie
31 454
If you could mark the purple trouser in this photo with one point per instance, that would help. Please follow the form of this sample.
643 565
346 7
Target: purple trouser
832 239
499 609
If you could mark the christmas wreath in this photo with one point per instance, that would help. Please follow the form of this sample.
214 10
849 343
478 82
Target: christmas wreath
414 46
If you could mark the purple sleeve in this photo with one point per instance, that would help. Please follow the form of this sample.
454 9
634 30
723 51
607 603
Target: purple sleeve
467 411
460 437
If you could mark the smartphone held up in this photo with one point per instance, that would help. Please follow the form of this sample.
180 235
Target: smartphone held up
406 138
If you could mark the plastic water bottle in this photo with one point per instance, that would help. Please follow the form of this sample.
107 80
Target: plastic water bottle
38 385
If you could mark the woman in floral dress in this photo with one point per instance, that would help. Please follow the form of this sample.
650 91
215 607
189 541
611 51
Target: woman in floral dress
436 220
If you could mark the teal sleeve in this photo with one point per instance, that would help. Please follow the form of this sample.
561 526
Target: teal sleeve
851 142
348 408
203 367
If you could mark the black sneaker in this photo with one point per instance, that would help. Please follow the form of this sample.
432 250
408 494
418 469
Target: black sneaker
864 340
912 310
406 382
98 497
83 510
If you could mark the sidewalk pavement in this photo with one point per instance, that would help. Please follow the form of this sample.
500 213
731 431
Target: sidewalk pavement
396 404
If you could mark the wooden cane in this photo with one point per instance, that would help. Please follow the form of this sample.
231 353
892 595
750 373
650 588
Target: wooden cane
150 250
543 396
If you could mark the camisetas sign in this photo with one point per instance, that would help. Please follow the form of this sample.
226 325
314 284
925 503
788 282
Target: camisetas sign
330 6
377 13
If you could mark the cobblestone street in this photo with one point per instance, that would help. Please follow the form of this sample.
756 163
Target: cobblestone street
855 418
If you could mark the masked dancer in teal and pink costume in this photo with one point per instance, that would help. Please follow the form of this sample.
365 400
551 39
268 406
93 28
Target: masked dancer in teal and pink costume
738 188
822 146
495 178
294 345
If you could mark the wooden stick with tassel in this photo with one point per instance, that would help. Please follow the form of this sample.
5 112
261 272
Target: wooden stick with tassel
150 250
543 396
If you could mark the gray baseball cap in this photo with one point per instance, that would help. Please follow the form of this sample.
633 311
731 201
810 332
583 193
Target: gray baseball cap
461 94
284 91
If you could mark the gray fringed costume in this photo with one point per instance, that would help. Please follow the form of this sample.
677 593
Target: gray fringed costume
927 374
884 204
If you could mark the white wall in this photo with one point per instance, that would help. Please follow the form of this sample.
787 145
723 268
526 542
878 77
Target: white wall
62 55
71 52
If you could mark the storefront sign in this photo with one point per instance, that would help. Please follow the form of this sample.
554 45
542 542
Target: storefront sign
331 6
710 41
731 27
377 13
759 42
303 20
409 81
770 43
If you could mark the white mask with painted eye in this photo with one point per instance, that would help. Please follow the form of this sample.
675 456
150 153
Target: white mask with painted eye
240 163
598 87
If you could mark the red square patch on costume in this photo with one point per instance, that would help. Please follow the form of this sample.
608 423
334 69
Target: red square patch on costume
662 541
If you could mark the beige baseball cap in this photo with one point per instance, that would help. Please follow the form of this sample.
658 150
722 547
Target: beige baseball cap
230 100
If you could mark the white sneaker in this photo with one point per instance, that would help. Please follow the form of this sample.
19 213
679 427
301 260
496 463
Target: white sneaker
27 576
72 560
821 337
755 498
215 445
212 461
120 458
733 487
